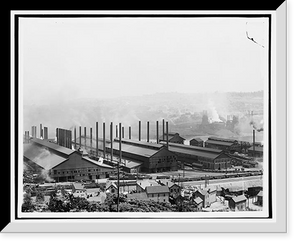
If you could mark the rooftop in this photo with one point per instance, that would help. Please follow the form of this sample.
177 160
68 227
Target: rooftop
53 146
145 183
157 189
219 142
198 200
222 139
240 198
140 143
42 156
192 152
78 186
97 162
197 139
183 146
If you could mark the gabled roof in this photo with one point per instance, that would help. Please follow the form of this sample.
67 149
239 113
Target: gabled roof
197 139
260 193
54 147
78 186
145 183
157 189
202 192
167 182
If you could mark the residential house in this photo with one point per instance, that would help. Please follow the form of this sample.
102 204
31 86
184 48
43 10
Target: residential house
158 193
175 189
78 190
198 203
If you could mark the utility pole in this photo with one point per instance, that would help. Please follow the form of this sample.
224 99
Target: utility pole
120 160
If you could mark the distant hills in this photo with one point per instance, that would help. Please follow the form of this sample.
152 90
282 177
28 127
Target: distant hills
183 111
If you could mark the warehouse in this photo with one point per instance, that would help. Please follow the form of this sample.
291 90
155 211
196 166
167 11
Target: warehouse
173 137
61 163
205 158
155 158
229 145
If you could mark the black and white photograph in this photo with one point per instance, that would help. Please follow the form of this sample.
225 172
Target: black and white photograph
144 115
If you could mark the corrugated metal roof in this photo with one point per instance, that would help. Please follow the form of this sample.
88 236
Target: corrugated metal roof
219 142
53 146
157 189
43 157
205 154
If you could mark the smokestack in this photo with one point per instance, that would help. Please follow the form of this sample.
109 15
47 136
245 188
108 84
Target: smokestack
129 132
253 142
140 125
45 132
120 143
111 142
157 132
163 129
84 137
35 131
97 139
41 131
122 131
91 137
167 134
147 131
32 131
116 131
104 150
75 140
80 137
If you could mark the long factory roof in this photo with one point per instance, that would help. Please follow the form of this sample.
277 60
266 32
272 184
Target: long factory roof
199 153
53 146
219 142
183 146
41 156
136 150
141 143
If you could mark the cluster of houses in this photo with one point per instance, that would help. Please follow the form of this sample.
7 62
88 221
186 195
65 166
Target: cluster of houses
208 198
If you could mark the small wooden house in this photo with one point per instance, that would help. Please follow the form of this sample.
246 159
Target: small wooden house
238 203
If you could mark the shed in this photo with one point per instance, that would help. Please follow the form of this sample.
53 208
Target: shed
238 203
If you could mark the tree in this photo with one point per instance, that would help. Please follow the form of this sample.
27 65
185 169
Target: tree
27 205
40 197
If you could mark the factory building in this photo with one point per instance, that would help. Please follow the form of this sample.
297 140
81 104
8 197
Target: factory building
155 157
197 142
173 137
200 157
61 163
228 145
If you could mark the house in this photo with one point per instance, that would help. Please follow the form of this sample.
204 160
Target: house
238 203
260 198
112 188
175 189
158 193
198 203
197 142
142 184
208 196
78 190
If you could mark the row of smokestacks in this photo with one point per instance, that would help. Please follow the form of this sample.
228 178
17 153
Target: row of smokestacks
120 133
43 132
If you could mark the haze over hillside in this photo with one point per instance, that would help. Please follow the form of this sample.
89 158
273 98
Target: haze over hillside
184 111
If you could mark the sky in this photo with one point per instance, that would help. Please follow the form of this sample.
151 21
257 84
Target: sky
72 58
